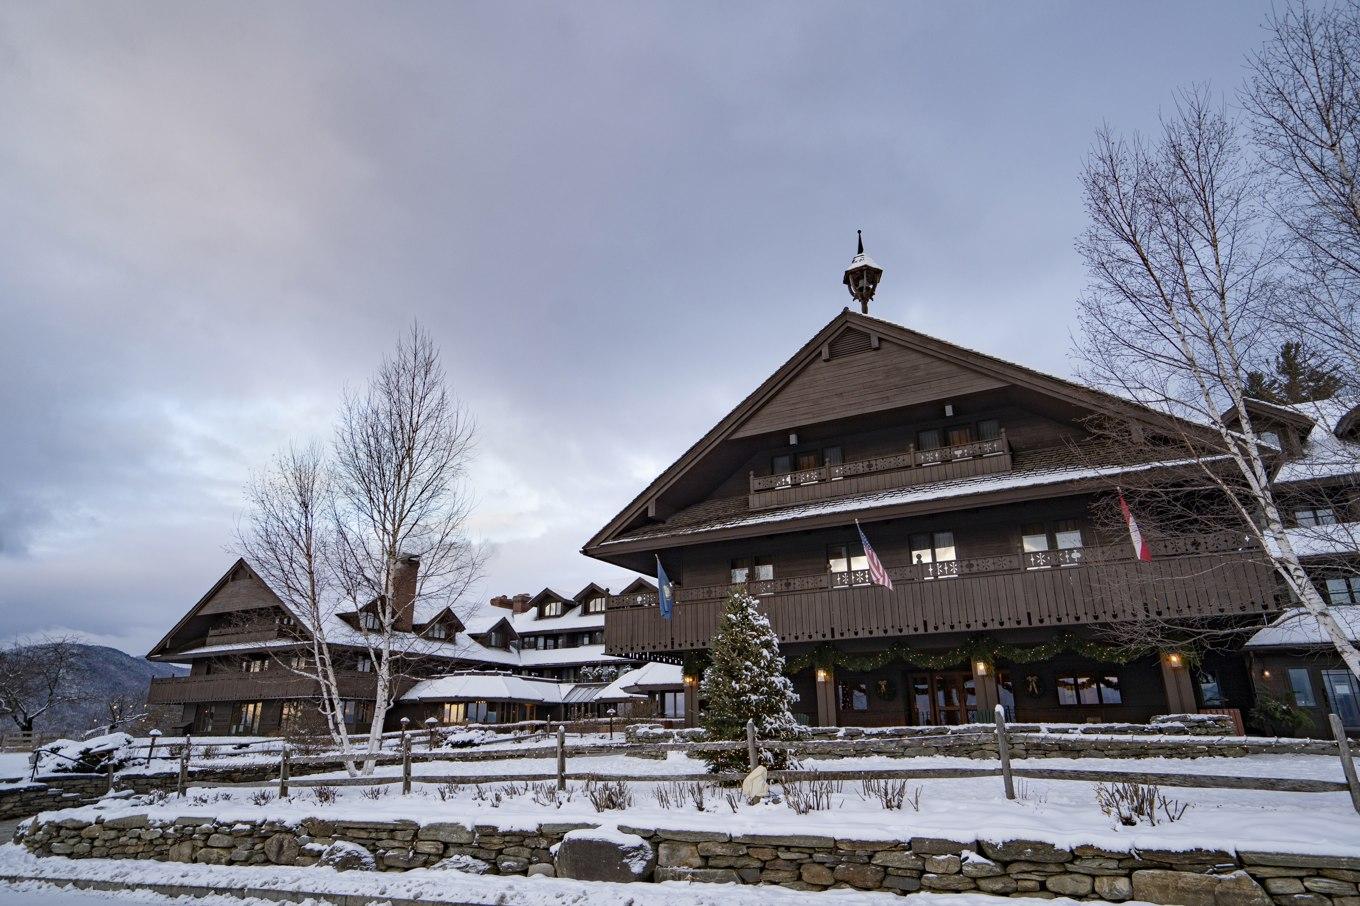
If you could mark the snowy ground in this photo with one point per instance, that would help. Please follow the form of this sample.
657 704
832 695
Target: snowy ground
429 885
13 764
1061 812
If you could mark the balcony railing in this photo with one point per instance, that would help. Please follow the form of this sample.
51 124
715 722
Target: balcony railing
882 472
1218 575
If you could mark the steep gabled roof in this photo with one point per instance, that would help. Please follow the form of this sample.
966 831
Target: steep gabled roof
202 607
590 591
988 371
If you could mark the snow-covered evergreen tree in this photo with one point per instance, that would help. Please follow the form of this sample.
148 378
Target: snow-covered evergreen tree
746 681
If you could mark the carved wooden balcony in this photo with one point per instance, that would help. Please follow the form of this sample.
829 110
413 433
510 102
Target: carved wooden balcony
882 473
1217 575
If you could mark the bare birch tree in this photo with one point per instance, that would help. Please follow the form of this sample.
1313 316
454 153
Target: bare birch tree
1181 278
289 540
402 447
1304 100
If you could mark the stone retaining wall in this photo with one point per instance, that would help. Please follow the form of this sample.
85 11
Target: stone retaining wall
802 862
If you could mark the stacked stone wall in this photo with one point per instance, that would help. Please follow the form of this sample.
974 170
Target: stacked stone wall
798 861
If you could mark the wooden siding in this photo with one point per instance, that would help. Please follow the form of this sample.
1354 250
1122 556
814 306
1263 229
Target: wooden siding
242 592
881 481
889 377
987 594
218 687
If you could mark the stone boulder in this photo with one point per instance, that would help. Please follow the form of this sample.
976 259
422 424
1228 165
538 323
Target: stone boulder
463 862
343 855
282 849
1188 888
603 854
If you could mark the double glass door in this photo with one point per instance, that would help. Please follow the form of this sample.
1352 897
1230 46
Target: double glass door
943 698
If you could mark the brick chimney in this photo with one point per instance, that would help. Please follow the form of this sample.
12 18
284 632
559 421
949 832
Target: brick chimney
518 604
404 575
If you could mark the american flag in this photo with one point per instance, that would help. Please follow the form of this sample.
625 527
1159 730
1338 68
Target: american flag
877 574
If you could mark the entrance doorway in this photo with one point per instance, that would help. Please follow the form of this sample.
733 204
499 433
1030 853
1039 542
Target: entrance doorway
942 698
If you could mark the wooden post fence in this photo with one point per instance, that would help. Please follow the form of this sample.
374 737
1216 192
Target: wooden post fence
561 757
1347 762
283 772
183 783
751 755
151 746
405 764
1003 748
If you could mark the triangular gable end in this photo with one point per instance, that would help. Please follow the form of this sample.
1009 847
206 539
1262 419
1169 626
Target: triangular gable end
239 589
857 372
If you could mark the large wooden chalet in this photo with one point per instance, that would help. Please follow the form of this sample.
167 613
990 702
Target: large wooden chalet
974 480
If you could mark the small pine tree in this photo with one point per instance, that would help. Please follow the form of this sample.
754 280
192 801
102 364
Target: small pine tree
745 681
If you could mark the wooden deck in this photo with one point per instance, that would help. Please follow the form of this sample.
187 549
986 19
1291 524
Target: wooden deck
1187 578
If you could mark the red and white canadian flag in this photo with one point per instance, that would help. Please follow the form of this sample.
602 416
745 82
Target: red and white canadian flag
1140 545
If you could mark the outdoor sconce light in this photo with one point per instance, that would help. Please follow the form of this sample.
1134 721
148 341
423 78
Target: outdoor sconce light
823 675
1265 673
1174 659
690 680
980 668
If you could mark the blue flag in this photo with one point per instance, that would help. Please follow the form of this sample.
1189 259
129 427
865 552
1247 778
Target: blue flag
665 590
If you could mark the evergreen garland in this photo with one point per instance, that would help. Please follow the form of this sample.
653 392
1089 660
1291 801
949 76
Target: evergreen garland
977 648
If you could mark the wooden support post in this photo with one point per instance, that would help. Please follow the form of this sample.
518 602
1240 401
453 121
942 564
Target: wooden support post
111 776
151 746
183 782
405 764
33 763
751 755
1347 762
826 697
691 701
1003 748
1180 692
283 772
561 757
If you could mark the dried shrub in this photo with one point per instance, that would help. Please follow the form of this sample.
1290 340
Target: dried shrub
609 795
373 792
261 797
733 799
546 793
325 795
1027 792
1135 803
448 791
805 796
892 795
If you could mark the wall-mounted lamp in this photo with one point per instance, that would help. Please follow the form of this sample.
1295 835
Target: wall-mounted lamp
823 675
691 680
1174 659
793 438
1265 673
948 410
980 668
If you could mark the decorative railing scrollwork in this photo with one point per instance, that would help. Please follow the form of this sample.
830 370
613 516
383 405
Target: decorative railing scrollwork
911 459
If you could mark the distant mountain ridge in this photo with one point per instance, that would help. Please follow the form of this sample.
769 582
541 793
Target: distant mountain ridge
101 673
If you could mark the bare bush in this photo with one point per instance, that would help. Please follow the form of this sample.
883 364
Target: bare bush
1136 803
609 795
805 796
892 795
448 791
261 797
1027 792
546 793
373 792
325 795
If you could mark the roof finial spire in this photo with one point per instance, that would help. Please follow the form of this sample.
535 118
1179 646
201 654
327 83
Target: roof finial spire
862 276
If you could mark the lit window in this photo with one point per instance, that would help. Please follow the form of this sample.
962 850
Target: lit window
245 717
596 605
453 713
935 553
1301 684
846 569
1034 538
255 665
552 609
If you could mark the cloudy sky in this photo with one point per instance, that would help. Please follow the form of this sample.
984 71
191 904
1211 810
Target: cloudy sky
615 218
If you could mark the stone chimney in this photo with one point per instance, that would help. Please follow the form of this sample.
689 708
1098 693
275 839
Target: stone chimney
404 576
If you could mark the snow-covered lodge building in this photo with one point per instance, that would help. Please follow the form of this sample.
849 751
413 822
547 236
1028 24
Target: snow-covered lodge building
974 479
522 658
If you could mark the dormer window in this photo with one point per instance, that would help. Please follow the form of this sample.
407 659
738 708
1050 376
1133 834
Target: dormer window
496 639
1270 439
596 605
369 621
364 665
552 609
437 631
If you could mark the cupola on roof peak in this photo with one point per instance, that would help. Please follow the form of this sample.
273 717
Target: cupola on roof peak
862 276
